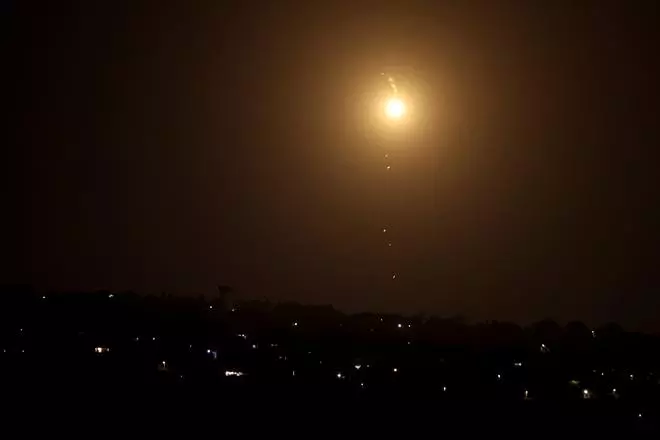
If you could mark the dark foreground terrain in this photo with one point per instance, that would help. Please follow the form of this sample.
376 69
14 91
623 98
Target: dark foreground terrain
98 361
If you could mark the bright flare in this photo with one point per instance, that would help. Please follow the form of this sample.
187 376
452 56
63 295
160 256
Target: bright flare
395 108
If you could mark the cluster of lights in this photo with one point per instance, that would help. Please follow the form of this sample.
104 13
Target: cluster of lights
586 393
212 353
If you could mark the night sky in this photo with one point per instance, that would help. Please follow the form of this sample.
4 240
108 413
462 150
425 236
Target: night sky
173 146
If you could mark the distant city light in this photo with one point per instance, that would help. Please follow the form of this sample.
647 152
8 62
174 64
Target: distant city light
111 295
234 373
357 366
526 394
101 350
211 307
362 384
632 376
242 335
43 297
396 370
517 364
586 394
639 415
444 388
399 325
593 334
409 325
499 376
293 373
254 346
213 353
295 323
340 376
153 339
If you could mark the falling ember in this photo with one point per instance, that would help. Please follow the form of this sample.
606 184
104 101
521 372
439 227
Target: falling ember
394 276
